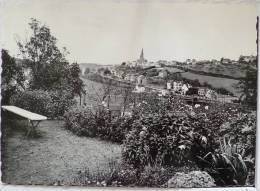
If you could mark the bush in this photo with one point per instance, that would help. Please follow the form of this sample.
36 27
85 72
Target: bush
49 103
229 166
81 121
166 140
97 123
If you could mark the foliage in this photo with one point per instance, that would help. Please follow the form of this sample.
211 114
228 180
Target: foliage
52 104
44 56
227 167
165 139
87 71
248 87
194 179
74 80
97 123
12 77
49 68
80 121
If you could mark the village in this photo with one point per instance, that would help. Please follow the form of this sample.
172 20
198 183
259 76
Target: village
140 73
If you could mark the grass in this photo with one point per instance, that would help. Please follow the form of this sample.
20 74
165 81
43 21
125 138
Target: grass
214 81
56 156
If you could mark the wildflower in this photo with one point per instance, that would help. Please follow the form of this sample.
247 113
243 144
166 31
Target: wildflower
204 139
182 147
197 105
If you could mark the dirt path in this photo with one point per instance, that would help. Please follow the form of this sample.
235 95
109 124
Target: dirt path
56 155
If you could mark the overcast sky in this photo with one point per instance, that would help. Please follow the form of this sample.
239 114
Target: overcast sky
113 31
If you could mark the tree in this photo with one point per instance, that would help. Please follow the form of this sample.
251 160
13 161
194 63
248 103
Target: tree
87 71
12 77
248 87
74 79
48 64
107 72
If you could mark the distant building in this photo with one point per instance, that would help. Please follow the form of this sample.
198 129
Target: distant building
225 61
139 89
141 80
247 59
211 94
163 73
142 61
177 85
169 85
202 91
184 89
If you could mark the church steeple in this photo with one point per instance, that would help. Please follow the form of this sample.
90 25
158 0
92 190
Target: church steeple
142 60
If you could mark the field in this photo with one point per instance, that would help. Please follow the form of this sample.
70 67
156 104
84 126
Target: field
214 81
234 70
55 156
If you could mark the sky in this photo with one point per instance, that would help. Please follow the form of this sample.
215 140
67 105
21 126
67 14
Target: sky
114 31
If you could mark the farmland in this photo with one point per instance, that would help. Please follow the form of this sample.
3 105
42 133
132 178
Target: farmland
214 81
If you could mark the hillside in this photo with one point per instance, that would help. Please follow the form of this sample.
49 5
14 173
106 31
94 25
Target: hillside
93 66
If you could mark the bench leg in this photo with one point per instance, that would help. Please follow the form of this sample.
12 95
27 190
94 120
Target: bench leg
31 127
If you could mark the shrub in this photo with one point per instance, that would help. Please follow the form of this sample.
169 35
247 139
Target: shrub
165 139
81 121
49 103
97 122
229 166
37 101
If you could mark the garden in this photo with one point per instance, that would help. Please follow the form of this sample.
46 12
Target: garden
164 138
158 141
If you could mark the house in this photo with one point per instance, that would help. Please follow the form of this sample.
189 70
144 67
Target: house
202 91
139 89
163 92
184 89
211 94
188 61
163 73
177 86
247 59
169 85
225 61
141 80
132 78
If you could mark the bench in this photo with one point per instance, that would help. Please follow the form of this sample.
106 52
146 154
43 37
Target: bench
33 118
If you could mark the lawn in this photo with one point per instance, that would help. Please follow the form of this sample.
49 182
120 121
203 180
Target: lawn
55 155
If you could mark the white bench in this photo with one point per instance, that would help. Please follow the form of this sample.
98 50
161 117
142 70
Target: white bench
33 118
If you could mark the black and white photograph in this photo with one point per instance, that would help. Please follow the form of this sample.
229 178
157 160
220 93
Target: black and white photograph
129 93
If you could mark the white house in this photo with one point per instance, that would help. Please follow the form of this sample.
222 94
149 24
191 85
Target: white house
163 73
184 89
202 91
211 94
177 86
141 80
139 89
169 85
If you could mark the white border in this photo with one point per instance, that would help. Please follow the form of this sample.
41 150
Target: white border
4 187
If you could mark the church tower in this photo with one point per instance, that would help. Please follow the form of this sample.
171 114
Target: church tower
141 59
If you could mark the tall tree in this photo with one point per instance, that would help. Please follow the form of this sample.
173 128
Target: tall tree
12 77
48 64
